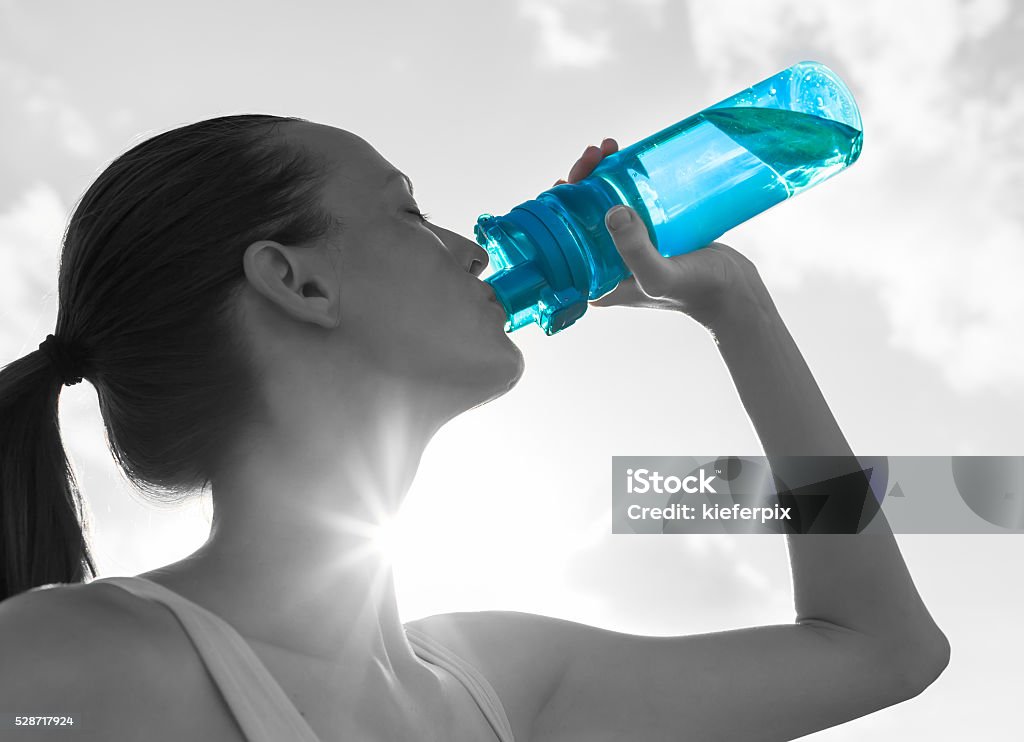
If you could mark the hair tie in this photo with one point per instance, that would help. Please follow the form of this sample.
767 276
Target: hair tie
65 358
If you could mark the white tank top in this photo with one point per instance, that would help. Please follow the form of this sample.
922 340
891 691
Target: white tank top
259 704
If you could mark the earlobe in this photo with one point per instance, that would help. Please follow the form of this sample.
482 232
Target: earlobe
299 281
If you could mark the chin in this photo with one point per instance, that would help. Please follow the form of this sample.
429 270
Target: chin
513 364
503 370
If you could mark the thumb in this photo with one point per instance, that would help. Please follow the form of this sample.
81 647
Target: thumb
626 293
650 268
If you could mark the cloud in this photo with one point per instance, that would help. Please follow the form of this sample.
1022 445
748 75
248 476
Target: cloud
75 131
560 46
649 9
46 103
664 585
563 43
30 237
927 218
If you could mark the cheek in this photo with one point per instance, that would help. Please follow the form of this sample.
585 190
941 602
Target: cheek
405 301
405 324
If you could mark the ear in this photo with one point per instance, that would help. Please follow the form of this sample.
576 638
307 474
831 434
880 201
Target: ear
301 281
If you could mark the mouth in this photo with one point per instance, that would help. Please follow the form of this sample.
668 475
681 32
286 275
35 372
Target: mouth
492 298
488 292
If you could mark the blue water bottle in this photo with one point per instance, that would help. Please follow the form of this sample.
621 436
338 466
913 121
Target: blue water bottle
690 183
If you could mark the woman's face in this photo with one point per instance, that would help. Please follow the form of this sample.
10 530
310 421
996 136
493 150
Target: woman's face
412 305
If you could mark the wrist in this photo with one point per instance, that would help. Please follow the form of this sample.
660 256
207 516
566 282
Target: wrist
747 310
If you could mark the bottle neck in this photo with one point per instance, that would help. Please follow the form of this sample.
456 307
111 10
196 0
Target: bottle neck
542 276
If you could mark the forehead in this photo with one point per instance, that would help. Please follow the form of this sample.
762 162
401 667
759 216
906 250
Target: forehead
358 169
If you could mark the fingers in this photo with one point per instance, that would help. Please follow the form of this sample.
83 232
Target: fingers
590 158
586 164
651 269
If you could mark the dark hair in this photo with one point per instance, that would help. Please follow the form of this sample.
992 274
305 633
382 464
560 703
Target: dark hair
151 263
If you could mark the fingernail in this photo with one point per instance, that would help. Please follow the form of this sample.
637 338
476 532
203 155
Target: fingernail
619 217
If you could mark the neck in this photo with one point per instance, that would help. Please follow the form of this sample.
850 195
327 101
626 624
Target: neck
292 561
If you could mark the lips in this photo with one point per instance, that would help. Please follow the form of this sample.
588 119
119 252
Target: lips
489 294
492 299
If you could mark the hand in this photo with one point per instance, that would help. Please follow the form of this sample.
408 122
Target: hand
703 284
588 161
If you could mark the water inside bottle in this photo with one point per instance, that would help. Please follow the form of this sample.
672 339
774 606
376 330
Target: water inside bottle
697 179
733 164
802 149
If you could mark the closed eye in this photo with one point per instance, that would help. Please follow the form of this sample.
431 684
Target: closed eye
422 217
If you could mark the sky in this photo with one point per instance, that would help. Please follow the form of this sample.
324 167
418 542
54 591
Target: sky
899 278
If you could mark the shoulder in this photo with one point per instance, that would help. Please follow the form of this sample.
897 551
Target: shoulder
522 655
76 623
68 619
88 649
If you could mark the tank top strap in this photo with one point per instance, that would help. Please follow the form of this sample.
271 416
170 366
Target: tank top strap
482 692
259 704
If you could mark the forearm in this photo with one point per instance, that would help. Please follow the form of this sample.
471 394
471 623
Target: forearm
857 581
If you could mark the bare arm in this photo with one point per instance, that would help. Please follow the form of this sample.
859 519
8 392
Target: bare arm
857 582
862 639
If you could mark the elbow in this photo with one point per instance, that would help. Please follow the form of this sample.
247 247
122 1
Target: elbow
937 660
916 665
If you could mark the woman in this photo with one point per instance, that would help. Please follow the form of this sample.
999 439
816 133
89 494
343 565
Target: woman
263 310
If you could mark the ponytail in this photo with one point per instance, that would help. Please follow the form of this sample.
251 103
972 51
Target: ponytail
41 517
150 269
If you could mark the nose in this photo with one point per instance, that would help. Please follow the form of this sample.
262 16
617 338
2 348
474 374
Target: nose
477 265
469 255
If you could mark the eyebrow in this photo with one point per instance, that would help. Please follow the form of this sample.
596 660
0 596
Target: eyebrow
396 174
